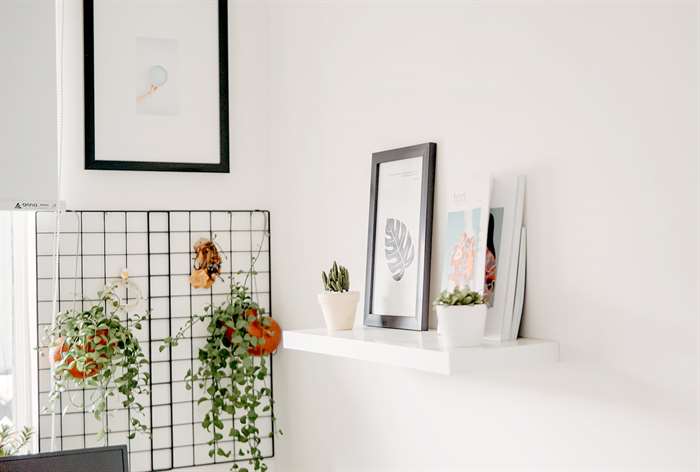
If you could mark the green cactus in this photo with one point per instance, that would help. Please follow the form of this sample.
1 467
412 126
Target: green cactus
337 279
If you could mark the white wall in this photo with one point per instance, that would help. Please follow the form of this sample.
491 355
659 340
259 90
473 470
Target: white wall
27 100
596 104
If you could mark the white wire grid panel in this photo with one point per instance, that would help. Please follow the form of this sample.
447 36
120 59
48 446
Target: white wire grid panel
156 247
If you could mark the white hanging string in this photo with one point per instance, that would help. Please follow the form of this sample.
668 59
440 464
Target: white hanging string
59 11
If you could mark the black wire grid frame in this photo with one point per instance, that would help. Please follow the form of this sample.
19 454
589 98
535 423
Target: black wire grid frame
156 247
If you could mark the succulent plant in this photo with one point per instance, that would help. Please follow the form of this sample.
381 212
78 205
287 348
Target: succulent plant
337 279
459 296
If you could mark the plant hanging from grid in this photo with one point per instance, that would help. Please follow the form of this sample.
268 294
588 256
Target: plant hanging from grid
94 350
156 246
232 363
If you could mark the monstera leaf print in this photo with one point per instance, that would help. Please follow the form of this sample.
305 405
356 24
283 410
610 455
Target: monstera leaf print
398 248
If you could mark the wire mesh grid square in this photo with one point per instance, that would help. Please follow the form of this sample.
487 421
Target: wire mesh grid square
156 247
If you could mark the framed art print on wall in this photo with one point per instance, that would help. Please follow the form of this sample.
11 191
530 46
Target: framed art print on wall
156 85
399 242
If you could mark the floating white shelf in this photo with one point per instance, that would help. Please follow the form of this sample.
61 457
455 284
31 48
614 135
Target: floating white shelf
420 350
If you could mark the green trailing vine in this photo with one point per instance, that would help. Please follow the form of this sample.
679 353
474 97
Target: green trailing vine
232 373
233 380
95 350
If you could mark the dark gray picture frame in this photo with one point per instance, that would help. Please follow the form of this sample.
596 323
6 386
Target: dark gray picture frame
419 322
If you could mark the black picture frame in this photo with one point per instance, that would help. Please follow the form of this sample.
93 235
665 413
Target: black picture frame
419 322
89 79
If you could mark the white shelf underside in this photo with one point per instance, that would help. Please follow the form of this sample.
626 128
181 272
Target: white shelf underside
422 350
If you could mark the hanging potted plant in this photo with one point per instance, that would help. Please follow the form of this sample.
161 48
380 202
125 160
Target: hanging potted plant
233 367
338 303
95 350
461 316
232 364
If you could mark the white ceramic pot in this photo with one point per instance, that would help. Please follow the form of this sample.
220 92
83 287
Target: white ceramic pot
461 325
339 309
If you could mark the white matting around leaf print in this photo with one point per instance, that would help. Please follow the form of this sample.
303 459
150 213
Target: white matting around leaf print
395 283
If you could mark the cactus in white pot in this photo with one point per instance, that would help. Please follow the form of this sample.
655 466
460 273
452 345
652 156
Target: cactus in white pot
338 303
461 316
337 280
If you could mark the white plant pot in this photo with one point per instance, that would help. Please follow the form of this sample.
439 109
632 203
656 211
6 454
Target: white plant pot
461 325
339 309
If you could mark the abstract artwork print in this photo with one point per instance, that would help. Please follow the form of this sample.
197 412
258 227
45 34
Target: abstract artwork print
466 250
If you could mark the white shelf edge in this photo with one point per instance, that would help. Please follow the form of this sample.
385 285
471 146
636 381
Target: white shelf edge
421 350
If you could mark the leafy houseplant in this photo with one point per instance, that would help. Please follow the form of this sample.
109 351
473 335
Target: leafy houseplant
95 350
337 279
337 302
461 317
232 372
459 297
13 441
